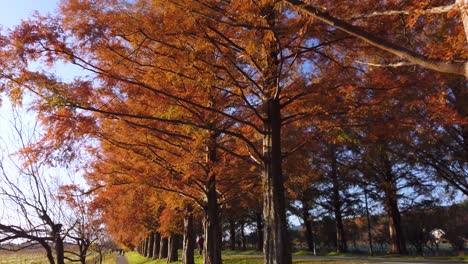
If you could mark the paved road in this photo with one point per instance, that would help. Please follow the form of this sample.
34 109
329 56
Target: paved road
122 260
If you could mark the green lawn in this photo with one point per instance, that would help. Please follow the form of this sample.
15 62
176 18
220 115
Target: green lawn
229 257
255 257
37 256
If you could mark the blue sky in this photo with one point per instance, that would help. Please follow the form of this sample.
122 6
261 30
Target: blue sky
11 14
13 11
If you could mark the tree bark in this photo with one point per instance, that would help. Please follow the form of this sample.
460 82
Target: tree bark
150 245
156 245
242 236
163 248
341 244
259 231
369 230
189 238
461 97
308 226
232 234
398 244
48 249
212 242
276 247
211 223
59 250
172 255
146 247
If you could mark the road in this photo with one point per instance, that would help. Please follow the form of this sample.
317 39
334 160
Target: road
122 260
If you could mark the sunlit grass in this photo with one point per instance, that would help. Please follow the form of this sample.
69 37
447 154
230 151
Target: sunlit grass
255 257
135 258
27 256
38 256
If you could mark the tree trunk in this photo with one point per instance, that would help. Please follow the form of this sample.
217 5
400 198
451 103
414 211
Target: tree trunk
189 239
398 245
157 244
146 247
242 236
212 242
163 248
211 223
59 250
50 256
232 234
150 245
276 247
369 232
172 255
461 97
341 245
259 231
308 226
83 251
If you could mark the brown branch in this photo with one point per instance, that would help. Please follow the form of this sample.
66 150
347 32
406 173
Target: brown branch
440 66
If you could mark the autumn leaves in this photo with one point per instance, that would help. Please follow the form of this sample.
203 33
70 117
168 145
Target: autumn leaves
196 104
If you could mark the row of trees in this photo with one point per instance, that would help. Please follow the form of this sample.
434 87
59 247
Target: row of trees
196 106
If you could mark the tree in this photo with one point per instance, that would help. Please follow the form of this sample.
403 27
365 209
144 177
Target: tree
265 60
454 231
36 216
84 220
302 188
458 68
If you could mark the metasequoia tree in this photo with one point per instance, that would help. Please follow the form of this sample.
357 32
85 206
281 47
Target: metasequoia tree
125 206
266 59
158 53
414 31
302 189
183 167
363 12
334 187
56 111
385 139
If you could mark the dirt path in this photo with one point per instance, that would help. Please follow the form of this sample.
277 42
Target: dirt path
122 260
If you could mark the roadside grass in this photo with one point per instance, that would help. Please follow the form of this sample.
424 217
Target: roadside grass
37 256
300 257
229 257
394 256
135 258
29 256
